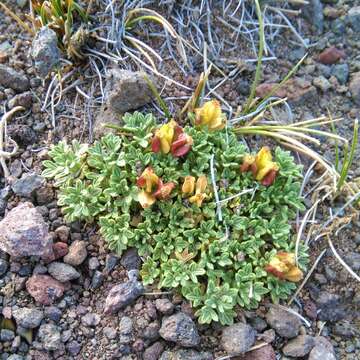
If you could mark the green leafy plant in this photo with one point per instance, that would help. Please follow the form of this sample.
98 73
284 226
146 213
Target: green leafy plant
214 248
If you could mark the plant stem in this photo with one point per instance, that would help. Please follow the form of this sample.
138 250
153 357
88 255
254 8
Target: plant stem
160 101
348 159
260 56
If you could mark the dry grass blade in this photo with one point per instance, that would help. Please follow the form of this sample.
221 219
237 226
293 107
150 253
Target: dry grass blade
17 19
341 261
254 84
5 154
151 15
195 99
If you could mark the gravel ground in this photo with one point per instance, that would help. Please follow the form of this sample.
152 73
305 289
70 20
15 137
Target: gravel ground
59 303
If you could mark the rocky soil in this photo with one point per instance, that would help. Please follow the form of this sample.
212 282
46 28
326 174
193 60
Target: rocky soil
63 295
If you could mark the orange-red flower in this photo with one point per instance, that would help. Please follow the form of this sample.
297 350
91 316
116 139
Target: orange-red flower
262 166
171 137
163 191
153 188
283 266
210 114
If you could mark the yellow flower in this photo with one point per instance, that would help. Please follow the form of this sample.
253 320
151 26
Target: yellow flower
264 163
164 136
188 185
200 195
145 199
148 179
210 114
283 266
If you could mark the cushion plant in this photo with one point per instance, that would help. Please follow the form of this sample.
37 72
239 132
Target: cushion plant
208 219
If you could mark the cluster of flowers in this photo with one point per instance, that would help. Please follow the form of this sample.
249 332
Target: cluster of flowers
171 138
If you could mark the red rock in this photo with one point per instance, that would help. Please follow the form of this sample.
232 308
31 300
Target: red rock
3 57
331 55
44 289
27 237
264 353
60 249
296 90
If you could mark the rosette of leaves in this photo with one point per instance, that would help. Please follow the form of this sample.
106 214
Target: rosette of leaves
216 265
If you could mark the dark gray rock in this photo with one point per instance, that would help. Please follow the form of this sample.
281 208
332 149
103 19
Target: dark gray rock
180 328
104 118
183 354
313 13
322 350
90 319
16 168
338 27
130 259
110 333
126 90
283 322
341 72
73 347
165 306
53 313
3 267
25 100
23 134
28 318
126 330
27 185
6 335
50 337
154 351
299 347
15 357
237 338
44 51
111 261
319 352
322 83
133 275
345 329
151 332
62 272
11 78
122 295
27 237
97 279
330 307
353 18
353 260
94 263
